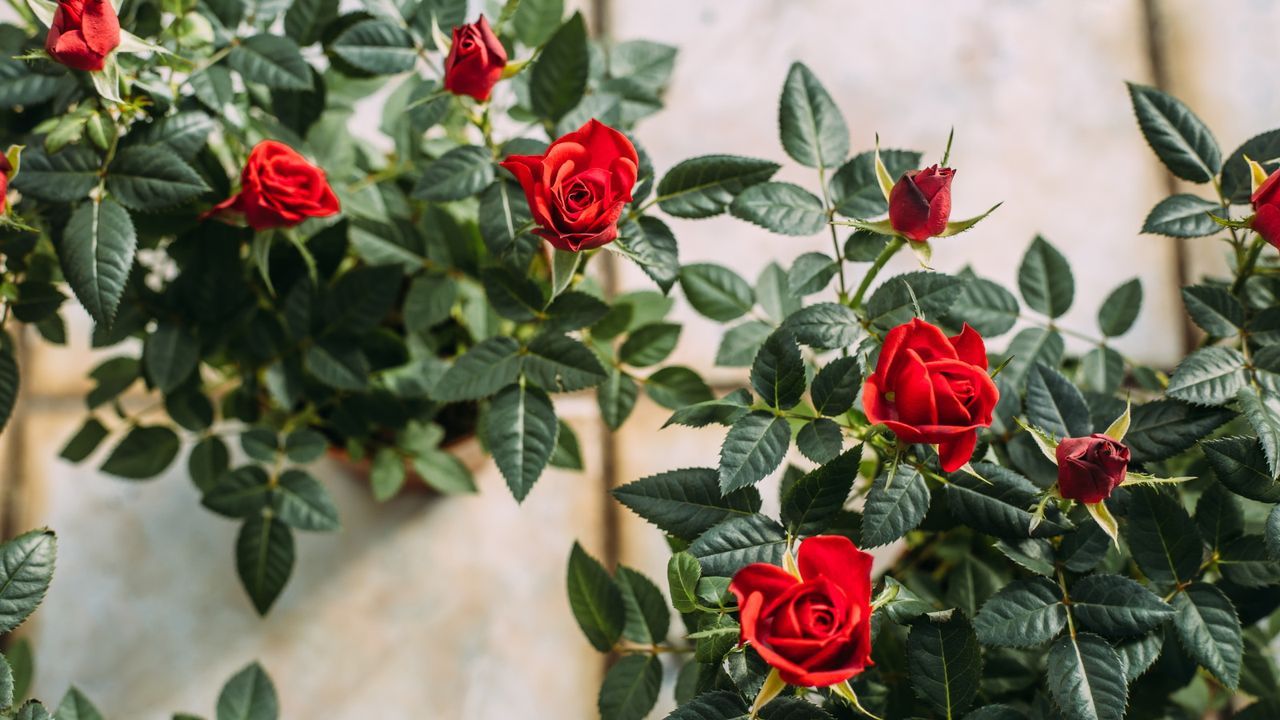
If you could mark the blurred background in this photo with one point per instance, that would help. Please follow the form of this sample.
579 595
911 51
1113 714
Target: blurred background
456 608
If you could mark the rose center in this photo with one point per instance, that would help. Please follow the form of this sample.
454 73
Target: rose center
817 617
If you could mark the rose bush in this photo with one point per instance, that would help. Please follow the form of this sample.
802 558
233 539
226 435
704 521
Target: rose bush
1067 534
267 269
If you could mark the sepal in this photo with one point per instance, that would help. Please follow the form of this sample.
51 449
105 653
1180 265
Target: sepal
1105 520
958 226
773 686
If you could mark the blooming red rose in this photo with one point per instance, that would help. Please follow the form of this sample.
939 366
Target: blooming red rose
1089 468
83 33
815 629
929 388
5 170
279 188
475 61
920 203
577 190
1266 207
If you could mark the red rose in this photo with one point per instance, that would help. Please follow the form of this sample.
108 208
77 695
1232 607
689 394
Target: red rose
1089 468
83 33
475 61
577 190
279 188
1266 206
5 169
920 203
815 629
929 388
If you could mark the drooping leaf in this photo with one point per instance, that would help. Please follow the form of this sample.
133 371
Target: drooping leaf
97 254
1086 678
520 431
264 559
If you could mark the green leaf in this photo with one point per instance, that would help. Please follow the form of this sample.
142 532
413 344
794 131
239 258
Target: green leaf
481 371
893 304
738 542
1209 631
1054 405
774 294
782 208
631 688
741 342
558 363
753 448
1164 428
96 253
836 386
616 397
20 86
1102 370
856 192
705 186
1120 309
1031 346
1179 138
513 295
503 213
1138 655
715 705
1219 516
559 76
894 508
1045 279
595 599
811 273
339 365
1272 536
26 568
170 356
520 431
683 573
574 310
820 440
85 441
1241 465
1214 309
1033 554
676 387
144 453
459 173
152 177
647 616
1236 183
1162 537
649 344
32 710
209 459
809 503
241 493
379 47
1182 216
1262 411
651 245
1086 678
716 291
303 503
686 503
264 559
825 326
778 374
1025 613
998 504
249 695
271 60
1209 376
1245 562
75 706
986 306
723 411
305 20
64 177
813 131
944 661
536 20
1115 606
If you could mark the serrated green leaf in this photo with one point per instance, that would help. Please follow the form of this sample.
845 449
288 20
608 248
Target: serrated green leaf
683 573
559 76
305 20
74 706
753 448
999 504
376 46
1209 631
855 191
675 387
459 173
716 291
1115 606
1162 537
1214 309
264 559
647 616
782 208
65 177
778 374
825 326
1241 465
1209 376
893 508
945 662
26 568
272 60
1179 138
704 186
813 131
649 344
738 542
1182 216
152 178
303 503
687 502
630 688
1045 279
986 306
595 599
1161 429
892 304
809 503
520 432
1245 562
1025 613
143 453
1054 405
1262 411
1086 678
481 371
1102 370
651 245
559 363
96 252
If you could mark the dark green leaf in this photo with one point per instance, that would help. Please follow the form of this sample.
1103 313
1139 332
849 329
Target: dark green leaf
536 20
248 696
26 568
1209 630
1182 216
809 503
1086 678
1025 613
704 186
595 599
239 494
1045 279
676 387
376 46
1115 606
75 706
459 173
170 356
753 448
97 253
1054 405
520 431
683 573
894 508
303 503
1164 428
782 208
264 559
85 441
649 344
686 503
836 386
630 688
716 291
777 374
820 440
813 131
65 177
999 504
559 76
559 363
856 192
652 246
1236 183
481 371
272 60
1214 309
738 542
1179 138
893 304
1120 309
986 306
152 178
1241 465
1209 376
944 661
825 326
616 397
647 616
1163 538
305 20
144 453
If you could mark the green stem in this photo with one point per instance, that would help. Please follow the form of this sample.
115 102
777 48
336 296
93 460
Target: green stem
889 250
835 240
1246 269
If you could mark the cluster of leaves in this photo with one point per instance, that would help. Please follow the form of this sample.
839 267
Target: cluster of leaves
424 315
1005 601
26 569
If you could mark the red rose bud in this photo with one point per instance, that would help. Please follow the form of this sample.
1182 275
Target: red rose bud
1266 206
577 190
475 61
920 203
83 33
279 188
5 170
1089 468
928 388
815 629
